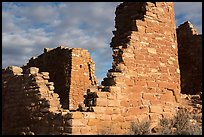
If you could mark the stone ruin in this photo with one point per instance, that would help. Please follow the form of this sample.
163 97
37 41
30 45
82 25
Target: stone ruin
71 70
57 93
190 58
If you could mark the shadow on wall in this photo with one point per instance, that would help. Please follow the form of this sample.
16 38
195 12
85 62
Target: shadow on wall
190 58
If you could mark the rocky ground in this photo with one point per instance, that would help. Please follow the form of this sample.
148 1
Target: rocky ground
193 104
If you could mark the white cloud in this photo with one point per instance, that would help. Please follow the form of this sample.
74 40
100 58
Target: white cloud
27 28
189 11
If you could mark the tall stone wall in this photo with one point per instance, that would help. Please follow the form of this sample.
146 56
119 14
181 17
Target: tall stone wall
190 58
30 105
145 53
71 70
82 77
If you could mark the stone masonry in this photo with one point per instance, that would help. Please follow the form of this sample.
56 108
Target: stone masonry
190 58
145 73
72 71
57 92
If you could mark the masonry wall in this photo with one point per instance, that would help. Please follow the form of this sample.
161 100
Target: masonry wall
29 104
145 67
190 58
70 69
82 77
144 82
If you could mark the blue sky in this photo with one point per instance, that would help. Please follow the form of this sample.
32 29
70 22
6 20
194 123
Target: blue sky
27 28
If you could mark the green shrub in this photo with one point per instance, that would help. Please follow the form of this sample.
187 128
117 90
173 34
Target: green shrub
142 128
180 125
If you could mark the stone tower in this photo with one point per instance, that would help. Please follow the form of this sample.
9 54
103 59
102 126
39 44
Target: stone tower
190 58
72 71
145 54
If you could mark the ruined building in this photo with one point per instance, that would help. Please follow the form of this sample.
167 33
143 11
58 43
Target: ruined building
71 70
57 92
190 58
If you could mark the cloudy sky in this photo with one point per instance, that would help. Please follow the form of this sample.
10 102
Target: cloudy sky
27 28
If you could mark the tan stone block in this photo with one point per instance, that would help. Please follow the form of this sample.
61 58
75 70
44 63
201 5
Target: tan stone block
105 117
113 103
85 130
126 125
156 102
145 102
148 96
102 94
141 83
16 70
137 88
89 115
143 117
79 122
46 77
168 96
76 115
152 84
101 102
99 109
134 95
45 73
155 117
76 130
93 129
115 89
167 115
117 118
156 109
135 103
129 82
162 84
125 103
116 130
51 87
32 70
111 96
93 122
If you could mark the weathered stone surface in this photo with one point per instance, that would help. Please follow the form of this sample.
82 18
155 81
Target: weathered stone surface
16 70
190 58
32 70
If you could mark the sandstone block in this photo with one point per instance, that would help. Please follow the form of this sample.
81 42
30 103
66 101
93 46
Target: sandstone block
76 130
125 103
76 115
51 87
105 117
113 103
156 109
99 109
117 118
126 125
148 96
101 102
89 115
155 117
78 122
102 94
32 70
45 73
93 122
142 117
152 84
85 130
15 70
